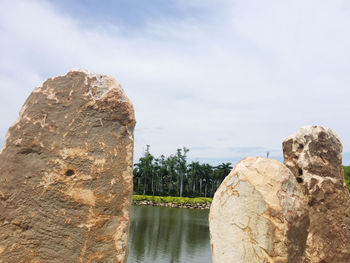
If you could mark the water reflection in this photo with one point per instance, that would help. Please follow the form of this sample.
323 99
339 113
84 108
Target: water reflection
162 234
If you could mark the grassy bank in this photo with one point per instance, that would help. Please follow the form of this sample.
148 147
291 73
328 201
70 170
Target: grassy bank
172 199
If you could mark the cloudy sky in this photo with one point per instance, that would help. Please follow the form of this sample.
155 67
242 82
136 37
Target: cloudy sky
225 78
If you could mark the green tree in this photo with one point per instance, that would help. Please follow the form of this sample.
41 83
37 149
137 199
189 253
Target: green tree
194 174
172 175
144 169
219 174
181 166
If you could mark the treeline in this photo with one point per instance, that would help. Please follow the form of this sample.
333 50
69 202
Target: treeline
174 176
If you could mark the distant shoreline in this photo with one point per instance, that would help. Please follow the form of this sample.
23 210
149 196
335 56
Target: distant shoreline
172 201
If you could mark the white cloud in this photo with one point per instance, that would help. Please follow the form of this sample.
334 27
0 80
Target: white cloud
246 74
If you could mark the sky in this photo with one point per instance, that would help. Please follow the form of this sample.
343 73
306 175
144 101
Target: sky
225 78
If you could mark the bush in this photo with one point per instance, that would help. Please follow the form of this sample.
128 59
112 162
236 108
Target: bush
172 199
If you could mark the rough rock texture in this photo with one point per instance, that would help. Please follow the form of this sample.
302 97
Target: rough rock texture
313 154
258 215
66 173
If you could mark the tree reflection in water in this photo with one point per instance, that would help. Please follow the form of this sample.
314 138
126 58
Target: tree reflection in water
162 234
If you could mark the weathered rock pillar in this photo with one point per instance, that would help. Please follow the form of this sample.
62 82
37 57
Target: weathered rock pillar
66 173
313 154
258 215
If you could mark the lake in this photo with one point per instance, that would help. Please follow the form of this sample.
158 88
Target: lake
164 234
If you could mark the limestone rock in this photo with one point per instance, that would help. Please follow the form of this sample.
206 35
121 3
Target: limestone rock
313 154
66 173
258 215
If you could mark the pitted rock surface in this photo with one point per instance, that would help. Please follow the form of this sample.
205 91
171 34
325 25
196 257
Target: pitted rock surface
66 173
313 154
258 215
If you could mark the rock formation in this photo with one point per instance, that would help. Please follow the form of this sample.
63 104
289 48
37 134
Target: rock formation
66 173
258 215
313 154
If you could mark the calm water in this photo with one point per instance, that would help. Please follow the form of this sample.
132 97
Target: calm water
162 235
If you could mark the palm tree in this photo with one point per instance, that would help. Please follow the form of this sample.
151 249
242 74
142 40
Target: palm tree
172 175
181 166
145 168
194 172
220 172
207 171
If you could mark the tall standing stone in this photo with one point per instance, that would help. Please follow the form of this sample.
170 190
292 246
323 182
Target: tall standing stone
258 215
313 154
66 173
